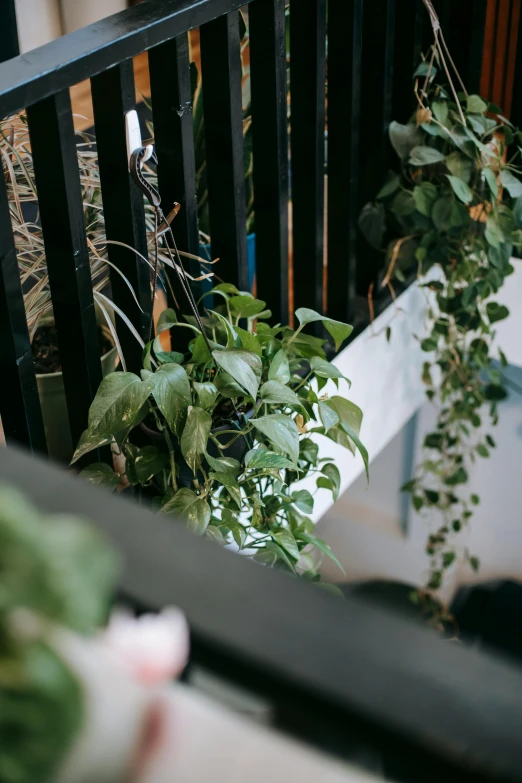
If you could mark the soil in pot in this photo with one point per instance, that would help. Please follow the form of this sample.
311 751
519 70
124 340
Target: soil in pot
46 355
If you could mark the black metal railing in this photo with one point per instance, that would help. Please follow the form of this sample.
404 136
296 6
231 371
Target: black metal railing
352 61
346 676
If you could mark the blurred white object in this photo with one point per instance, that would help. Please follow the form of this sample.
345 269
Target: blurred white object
152 648
123 672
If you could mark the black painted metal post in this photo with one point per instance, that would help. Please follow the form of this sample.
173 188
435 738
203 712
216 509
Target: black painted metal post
221 69
376 153
113 96
308 116
344 132
61 208
269 129
174 139
19 402
9 45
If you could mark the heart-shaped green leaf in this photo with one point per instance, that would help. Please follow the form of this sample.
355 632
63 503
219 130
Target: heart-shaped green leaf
101 475
190 507
224 464
404 138
207 394
332 472
245 306
324 369
329 416
339 330
461 190
195 437
263 458
286 540
476 105
172 394
166 320
512 184
243 366
249 341
148 463
303 500
281 431
320 544
279 369
425 156
273 392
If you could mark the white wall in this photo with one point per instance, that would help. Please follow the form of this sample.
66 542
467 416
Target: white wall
41 21
365 526
38 21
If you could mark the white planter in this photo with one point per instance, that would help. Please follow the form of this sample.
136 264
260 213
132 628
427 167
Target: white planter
79 13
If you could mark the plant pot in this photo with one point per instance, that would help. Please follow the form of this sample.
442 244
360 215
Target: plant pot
236 450
54 409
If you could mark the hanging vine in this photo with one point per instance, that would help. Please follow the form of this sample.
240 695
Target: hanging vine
454 210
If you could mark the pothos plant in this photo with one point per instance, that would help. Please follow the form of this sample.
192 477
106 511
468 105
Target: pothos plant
453 211
220 436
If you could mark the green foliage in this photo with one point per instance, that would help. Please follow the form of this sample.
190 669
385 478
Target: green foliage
453 209
230 429
55 570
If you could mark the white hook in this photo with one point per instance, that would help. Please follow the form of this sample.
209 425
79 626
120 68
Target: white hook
133 133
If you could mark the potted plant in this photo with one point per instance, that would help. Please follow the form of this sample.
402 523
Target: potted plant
227 430
18 170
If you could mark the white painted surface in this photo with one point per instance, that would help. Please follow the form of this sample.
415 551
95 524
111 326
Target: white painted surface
364 526
38 22
386 385
509 332
205 742
79 13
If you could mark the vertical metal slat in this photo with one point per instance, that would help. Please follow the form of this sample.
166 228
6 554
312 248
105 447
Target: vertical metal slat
269 129
113 96
376 154
174 140
62 217
410 15
221 69
19 402
344 130
307 78
9 46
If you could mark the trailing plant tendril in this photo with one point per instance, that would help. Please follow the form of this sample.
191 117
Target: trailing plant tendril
454 212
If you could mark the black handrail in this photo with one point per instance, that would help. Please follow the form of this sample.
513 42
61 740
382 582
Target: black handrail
90 50
344 675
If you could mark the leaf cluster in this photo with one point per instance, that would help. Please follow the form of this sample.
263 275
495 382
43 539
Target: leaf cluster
230 427
453 212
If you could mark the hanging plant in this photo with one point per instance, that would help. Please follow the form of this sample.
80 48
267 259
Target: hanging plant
453 212
224 431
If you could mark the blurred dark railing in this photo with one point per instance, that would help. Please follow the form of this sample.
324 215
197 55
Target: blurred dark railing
346 676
